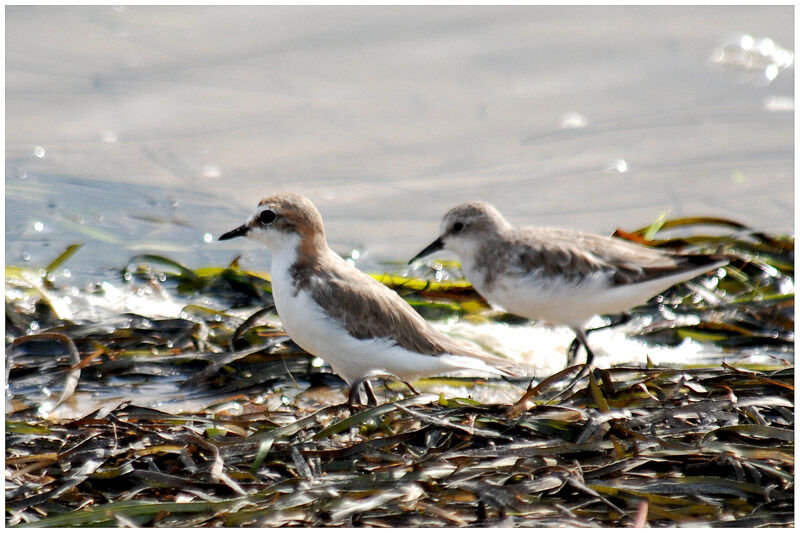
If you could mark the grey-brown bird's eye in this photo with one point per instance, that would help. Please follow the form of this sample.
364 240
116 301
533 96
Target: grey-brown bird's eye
458 226
267 216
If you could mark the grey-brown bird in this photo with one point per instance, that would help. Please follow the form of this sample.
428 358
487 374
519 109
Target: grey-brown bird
556 275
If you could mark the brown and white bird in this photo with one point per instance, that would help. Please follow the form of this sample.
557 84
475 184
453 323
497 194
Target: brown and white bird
560 276
335 311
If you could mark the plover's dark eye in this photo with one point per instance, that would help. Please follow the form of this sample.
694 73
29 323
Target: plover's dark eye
458 226
267 216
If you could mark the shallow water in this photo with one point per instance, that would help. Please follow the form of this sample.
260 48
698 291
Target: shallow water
154 129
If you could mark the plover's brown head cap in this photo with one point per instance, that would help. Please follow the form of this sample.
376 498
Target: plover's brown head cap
281 220
464 226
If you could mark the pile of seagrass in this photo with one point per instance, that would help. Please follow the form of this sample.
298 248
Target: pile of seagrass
269 441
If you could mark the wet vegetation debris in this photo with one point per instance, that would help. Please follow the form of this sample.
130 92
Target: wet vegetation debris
200 411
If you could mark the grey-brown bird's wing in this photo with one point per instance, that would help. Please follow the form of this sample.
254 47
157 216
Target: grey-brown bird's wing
373 311
575 254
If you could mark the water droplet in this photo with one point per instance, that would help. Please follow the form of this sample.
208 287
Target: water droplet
783 58
766 47
22 174
207 237
162 277
779 103
26 256
738 176
211 171
127 276
66 273
747 42
317 362
285 400
38 226
355 254
39 151
217 318
109 136
786 285
34 325
771 72
620 165
572 120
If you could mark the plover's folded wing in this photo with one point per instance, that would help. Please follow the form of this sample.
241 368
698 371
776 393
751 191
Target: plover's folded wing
578 255
633 263
367 309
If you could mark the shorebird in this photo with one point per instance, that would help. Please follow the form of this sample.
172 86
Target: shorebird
347 318
557 275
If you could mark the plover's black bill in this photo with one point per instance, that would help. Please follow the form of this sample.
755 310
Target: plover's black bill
435 246
241 231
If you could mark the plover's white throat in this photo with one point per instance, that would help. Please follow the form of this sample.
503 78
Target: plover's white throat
342 315
558 275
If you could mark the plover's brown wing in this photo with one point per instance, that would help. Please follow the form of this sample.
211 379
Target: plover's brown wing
634 263
568 253
367 309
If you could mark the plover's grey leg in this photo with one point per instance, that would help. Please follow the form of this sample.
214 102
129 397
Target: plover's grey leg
577 341
580 338
352 396
572 353
371 398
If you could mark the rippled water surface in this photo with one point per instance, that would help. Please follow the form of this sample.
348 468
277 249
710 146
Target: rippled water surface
150 129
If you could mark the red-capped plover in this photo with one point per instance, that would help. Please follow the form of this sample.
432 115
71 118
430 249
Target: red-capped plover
558 275
335 311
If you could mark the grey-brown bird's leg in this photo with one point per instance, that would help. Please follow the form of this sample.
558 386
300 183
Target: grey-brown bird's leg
353 395
364 380
580 337
371 398
572 353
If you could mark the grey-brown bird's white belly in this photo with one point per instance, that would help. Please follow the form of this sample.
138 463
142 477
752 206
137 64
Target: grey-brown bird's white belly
568 300
556 299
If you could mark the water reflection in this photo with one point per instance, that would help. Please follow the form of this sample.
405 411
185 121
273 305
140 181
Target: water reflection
761 59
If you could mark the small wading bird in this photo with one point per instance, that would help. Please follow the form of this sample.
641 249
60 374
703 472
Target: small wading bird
335 311
558 275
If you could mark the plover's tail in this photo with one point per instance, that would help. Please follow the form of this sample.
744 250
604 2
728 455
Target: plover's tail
484 363
700 261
